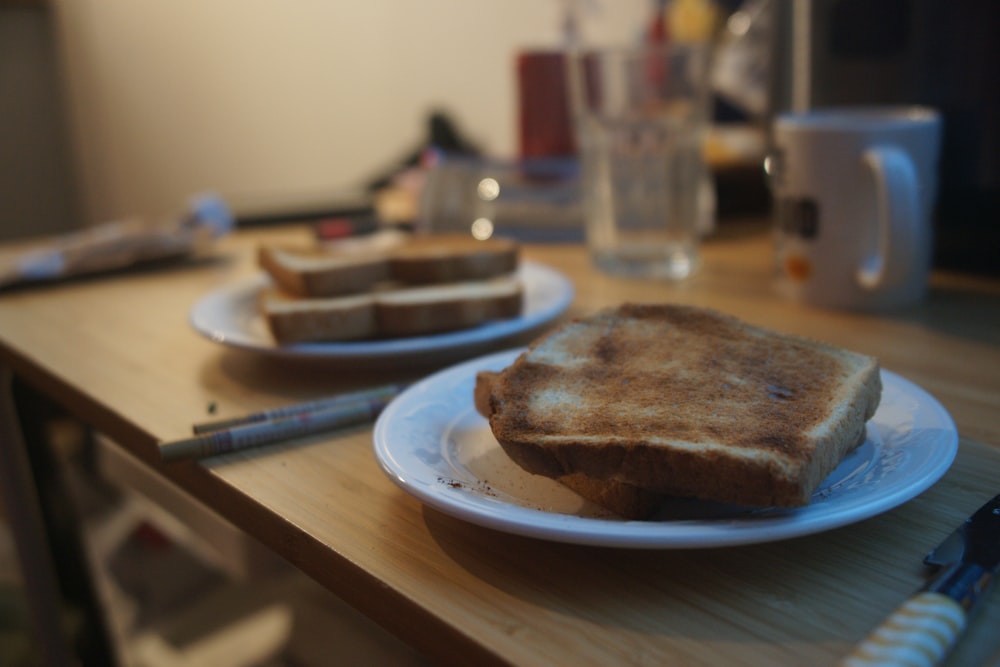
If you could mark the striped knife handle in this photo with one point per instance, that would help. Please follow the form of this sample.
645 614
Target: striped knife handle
920 633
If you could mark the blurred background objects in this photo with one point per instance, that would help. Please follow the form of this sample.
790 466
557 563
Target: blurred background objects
114 108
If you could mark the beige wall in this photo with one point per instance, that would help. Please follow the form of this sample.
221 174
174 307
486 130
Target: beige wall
279 101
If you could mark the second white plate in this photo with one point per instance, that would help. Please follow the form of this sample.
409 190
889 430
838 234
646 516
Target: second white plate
434 445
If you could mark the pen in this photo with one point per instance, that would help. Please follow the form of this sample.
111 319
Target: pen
387 391
339 414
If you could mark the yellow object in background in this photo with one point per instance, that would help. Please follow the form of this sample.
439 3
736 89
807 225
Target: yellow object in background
691 21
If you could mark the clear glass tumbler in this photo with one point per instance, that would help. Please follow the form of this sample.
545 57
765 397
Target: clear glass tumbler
640 117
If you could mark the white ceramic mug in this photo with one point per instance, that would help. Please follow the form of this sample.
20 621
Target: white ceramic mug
854 190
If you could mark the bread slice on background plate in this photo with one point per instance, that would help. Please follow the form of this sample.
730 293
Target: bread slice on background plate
436 308
390 313
681 401
291 319
312 272
452 258
318 271
424 285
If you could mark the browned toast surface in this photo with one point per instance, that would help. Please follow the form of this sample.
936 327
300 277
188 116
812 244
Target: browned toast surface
625 500
685 401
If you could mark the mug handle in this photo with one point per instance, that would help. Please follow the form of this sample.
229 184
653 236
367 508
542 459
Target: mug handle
898 218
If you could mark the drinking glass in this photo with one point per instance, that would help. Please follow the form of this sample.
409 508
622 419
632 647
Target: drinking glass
640 117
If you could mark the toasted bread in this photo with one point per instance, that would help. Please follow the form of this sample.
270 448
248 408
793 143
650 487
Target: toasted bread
427 285
319 272
684 401
296 320
625 500
436 308
451 258
388 313
310 272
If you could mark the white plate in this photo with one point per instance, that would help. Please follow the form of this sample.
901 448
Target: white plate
434 445
229 316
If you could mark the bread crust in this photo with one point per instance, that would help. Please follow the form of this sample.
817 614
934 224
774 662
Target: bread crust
684 401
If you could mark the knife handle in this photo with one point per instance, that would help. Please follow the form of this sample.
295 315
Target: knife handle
919 633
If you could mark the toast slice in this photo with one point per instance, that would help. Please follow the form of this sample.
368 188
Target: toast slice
684 401
450 258
319 272
296 320
625 500
437 308
387 313
311 272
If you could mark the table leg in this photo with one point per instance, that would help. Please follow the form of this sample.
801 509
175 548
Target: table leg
54 566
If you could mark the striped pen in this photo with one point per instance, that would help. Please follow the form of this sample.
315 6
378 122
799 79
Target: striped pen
270 426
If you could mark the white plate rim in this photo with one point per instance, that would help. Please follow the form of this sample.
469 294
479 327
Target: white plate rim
939 448
219 317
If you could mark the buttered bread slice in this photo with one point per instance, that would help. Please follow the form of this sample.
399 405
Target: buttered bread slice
687 402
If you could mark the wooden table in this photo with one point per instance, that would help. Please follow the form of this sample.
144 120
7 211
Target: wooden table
117 352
